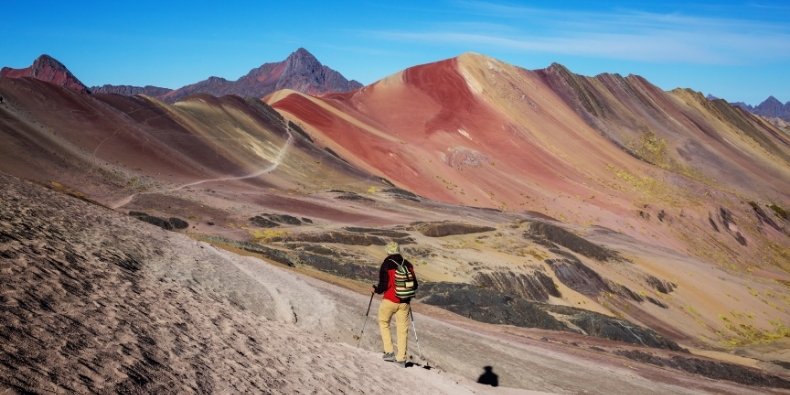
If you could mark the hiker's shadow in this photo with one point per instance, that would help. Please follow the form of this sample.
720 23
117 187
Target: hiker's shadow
489 377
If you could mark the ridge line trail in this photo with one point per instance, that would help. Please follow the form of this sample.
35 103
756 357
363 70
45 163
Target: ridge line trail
268 169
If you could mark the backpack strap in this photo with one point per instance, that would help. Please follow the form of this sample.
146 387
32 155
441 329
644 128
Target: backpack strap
402 261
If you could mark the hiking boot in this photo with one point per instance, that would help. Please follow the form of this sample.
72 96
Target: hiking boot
401 364
389 357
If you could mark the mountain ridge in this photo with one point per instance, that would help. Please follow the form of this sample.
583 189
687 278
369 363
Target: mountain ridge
618 107
770 107
130 90
46 68
300 71
608 190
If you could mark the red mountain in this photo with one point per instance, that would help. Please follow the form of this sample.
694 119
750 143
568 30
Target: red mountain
500 136
592 208
301 71
46 68
603 193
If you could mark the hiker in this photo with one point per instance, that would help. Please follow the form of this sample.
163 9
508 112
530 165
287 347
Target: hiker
398 283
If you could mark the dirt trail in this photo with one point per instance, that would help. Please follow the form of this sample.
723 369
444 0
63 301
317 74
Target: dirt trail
519 357
268 169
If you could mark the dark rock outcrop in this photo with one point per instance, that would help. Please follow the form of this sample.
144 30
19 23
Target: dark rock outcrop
338 237
763 217
599 325
262 222
352 196
279 256
442 229
284 257
727 219
622 290
489 305
708 368
578 277
660 285
393 234
713 223
656 302
783 364
486 305
274 220
167 224
402 194
536 286
548 234
332 265
178 223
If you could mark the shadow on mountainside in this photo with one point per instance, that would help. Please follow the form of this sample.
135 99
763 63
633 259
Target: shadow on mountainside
489 377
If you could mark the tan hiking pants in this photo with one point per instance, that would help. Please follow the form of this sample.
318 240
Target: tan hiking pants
401 312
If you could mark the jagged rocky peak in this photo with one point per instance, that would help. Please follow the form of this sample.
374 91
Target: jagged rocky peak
772 108
46 68
302 56
300 71
556 68
303 72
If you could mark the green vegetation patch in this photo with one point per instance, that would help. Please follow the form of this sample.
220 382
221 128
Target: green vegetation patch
748 334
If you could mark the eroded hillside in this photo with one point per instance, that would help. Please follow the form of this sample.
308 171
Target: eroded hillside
595 206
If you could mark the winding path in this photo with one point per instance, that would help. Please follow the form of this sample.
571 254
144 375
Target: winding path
276 163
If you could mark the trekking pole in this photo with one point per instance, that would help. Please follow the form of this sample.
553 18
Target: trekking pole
414 328
365 322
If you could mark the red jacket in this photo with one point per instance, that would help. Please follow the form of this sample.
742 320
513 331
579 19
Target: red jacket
386 283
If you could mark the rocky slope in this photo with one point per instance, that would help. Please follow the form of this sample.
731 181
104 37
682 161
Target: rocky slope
581 149
300 71
601 206
479 125
95 301
46 68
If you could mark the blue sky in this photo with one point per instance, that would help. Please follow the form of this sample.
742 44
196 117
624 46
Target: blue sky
738 50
